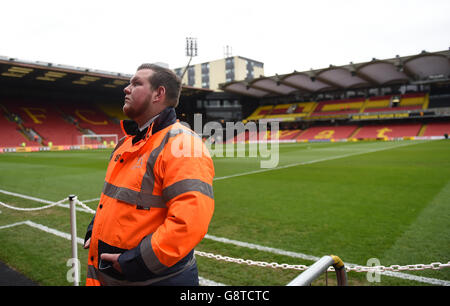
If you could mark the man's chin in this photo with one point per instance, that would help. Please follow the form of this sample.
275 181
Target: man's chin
127 110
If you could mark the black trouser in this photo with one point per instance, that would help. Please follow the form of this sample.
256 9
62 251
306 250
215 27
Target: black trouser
188 277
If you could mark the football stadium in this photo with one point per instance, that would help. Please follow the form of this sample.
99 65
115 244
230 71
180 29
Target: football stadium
360 171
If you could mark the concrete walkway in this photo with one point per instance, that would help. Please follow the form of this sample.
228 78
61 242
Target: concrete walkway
10 277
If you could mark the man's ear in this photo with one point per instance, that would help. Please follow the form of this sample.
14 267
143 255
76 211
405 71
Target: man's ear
160 94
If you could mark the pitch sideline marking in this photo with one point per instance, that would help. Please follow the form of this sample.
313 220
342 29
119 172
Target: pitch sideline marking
314 161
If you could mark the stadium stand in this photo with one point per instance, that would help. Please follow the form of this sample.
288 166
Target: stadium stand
305 107
35 122
388 131
11 135
390 98
436 129
45 120
327 133
288 112
260 112
420 100
282 136
243 137
390 103
406 102
113 112
281 109
338 107
376 104
90 119
288 135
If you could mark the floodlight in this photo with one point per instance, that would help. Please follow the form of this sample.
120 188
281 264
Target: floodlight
191 51
191 46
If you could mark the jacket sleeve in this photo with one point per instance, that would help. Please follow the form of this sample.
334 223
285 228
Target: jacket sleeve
188 193
185 180
89 230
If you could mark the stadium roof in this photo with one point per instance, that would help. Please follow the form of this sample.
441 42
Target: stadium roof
17 72
416 69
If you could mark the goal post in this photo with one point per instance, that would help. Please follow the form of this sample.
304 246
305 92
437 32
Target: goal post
99 139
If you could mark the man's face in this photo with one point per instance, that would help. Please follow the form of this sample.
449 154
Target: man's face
138 95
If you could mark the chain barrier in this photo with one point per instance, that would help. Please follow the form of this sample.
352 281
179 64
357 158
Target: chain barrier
90 210
398 268
393 268
50 205
32 208
274 265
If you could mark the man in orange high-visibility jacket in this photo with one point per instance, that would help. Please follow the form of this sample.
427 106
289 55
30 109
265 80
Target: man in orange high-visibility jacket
157 199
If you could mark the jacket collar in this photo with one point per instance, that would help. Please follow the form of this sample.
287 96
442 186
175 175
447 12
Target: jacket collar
166 118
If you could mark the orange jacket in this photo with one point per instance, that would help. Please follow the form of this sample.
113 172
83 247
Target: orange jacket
156 204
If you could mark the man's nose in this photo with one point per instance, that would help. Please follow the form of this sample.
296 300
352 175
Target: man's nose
126 90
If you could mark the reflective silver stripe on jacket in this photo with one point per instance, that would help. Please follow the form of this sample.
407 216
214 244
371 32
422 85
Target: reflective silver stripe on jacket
148 180
149 257
92 272
144 198
187 185
141 199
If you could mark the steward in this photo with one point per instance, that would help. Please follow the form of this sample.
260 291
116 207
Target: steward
157 199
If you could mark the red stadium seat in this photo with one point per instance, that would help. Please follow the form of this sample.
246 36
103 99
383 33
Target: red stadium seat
89 117
44 118
10 135
437 129
388 131
327 132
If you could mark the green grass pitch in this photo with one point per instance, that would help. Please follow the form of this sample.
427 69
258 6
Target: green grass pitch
357 200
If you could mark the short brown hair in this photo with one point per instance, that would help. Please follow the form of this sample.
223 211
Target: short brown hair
166 78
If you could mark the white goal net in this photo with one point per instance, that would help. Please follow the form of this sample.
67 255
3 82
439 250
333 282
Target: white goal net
99 139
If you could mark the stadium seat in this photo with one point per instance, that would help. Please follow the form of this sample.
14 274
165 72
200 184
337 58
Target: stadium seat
289 135
380 102
437 129
305 108
393 109
90 117
407 102
290 111
10 135
417 99
338 107
388 131
111 110
260 112
280 109
283 136
44 118
327 132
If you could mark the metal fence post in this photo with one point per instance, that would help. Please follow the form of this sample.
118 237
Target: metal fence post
73 225
320 266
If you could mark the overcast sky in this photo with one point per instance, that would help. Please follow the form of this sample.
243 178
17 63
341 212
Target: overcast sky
285 35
